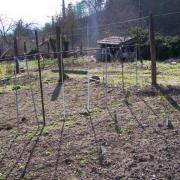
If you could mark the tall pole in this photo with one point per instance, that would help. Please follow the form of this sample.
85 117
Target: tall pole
16 53
140 12
25 48
58 46
140 25
153 52
63 8
40 78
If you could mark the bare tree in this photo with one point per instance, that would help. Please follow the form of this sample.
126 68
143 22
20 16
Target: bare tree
94 5
6 25
71 23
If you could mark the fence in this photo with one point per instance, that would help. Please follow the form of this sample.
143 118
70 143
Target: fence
35 95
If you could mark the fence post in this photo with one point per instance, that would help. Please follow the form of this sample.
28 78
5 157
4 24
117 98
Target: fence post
25 47
40 78
48 48
16 54
153 52
58 47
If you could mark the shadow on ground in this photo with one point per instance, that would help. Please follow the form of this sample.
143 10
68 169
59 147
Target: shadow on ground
56 92
166 93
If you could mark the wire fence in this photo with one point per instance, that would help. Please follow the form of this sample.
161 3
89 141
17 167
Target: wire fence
100 82
96 75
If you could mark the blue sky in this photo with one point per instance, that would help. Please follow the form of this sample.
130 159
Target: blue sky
37 11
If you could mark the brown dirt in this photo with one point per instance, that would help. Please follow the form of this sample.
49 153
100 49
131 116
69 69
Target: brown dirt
67 149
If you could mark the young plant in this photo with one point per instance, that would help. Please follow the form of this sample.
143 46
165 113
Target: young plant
126 96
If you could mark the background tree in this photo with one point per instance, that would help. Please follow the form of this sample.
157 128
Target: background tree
71 23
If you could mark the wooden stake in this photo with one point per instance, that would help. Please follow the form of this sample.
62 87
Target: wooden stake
122 74
153 52
58 47
16 53
25 47
40 78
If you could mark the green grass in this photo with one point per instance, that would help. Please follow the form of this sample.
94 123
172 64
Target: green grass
167 74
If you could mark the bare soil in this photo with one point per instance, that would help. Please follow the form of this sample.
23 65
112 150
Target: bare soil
126 139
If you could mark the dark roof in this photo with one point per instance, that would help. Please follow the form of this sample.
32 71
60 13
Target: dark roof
114 40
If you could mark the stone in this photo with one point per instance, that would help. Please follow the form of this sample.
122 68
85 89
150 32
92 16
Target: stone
95 78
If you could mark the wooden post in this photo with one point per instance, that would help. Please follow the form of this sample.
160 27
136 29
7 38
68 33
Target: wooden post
25 47
122 74
16 53
81 48
40 78
153 52
48 47
58 47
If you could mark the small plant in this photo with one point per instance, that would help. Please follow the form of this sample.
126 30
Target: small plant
16 88
1 72
126 96
161 98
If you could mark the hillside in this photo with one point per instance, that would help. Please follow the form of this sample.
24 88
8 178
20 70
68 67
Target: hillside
121 10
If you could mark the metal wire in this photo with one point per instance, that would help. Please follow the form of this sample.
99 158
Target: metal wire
32 93
62 80
16 95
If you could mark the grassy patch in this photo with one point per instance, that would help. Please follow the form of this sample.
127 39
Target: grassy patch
167 74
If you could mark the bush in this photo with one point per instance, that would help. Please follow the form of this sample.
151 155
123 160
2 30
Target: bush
167 47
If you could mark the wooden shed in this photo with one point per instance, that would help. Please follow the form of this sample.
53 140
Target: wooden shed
117 48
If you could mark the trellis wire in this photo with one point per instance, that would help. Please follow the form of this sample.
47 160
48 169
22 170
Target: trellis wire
62 80
106 78
88 76
136 66
32 94
16 94
88 98
122 74
53 53
103 71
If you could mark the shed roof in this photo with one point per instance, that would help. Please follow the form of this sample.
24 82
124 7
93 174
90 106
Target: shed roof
114 40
